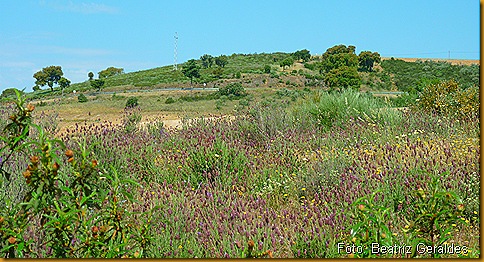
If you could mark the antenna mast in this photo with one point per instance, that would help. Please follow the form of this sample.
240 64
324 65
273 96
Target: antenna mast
175 67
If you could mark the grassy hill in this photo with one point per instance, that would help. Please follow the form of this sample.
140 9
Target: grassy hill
248 69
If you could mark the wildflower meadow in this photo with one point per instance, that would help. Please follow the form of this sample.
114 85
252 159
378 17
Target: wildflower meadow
326 175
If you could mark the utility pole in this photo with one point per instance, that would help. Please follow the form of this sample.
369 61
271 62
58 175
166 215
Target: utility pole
175 67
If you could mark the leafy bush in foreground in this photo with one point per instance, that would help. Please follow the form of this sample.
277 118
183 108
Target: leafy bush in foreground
71 212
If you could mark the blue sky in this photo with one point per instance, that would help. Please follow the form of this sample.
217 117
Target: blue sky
90 35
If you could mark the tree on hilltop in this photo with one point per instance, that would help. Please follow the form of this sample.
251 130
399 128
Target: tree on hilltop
207 60
339 56
303 55
48 76
286 62
191 70
221 61
64 83
110 71
367 59
90 75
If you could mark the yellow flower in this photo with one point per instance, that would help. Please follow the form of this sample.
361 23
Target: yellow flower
180 247
303 188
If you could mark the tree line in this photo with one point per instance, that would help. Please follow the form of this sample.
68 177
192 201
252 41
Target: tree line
339 66
53 75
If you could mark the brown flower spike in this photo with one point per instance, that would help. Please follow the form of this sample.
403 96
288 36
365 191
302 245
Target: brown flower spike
34 159
26 174
12 240
69 153
251 245
30 108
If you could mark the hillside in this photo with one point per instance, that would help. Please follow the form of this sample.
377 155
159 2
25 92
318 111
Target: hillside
249 69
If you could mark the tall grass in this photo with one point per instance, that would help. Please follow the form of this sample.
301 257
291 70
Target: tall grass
328 110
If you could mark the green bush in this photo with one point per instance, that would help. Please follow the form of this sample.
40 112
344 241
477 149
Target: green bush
77 215
267 69
132 102
336 109
235 89
170 100
449 99
81 98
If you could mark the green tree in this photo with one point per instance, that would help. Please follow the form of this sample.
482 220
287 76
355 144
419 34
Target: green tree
367 59
64 83
303 55
207 60
221 61
11 92
90 75
97 84
191 70
286 62
36 88
218 72
48 76
342 78
110 71
267 69
338 56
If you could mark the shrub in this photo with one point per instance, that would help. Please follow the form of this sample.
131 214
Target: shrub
235 89
81 98
447 98
170 100
267 69
132 102
76 216
131 118
337 109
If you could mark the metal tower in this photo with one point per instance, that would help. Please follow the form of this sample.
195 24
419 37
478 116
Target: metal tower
175 67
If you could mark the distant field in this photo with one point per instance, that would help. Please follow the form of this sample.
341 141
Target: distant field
452 61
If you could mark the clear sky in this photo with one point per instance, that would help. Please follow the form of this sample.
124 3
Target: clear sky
91 35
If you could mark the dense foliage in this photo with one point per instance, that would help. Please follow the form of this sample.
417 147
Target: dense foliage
48 76
109 72
81 98
409 76
191 70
